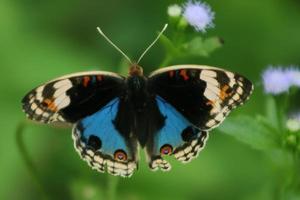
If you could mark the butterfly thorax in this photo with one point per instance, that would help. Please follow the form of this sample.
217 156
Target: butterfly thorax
137 84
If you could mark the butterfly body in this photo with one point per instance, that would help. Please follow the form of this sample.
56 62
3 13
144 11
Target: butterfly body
168 112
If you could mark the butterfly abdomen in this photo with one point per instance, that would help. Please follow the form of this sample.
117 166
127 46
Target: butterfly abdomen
147 118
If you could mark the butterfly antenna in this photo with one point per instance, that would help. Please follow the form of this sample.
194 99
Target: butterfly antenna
115 46
149 47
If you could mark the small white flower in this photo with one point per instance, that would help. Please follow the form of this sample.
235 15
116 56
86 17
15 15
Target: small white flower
174 10
199 15
293 123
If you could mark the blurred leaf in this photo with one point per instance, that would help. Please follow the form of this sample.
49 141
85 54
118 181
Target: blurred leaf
169 46
211 44
268 124
202 47
281 158
195 47
250 131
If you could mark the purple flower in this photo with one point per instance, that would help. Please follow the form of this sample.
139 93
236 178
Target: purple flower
199 15
294 75
276 80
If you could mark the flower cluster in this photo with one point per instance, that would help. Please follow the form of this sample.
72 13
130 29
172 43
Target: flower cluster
196 13
277 80
181 40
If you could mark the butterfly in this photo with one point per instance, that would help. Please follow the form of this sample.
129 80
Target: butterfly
168 113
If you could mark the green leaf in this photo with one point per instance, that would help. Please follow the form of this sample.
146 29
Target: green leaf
195 47
202 47
211 44
250 131
268 124
169 46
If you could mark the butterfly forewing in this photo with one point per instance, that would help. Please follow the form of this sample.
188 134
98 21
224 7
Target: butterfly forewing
72 97
204 95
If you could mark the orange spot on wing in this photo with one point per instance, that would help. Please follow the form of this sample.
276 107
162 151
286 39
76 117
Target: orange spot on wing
166 149
184 74
86 80
224 92
50 105
211 103
120 155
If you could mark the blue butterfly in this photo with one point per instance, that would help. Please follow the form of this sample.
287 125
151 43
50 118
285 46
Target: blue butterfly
167 113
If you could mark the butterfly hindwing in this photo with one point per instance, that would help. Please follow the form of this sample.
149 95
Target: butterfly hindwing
72 97
176 137
204 95
104 143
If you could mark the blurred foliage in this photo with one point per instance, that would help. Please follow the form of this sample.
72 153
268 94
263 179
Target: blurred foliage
41 40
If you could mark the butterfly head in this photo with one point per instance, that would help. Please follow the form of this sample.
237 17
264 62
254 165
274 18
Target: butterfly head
135 70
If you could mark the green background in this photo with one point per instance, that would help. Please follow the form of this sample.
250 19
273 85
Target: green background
40 40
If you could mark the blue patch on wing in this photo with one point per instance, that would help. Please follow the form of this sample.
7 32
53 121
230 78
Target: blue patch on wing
101 125
171 132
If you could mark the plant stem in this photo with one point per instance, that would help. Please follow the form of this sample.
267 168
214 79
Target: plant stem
112 187
296 169
28 161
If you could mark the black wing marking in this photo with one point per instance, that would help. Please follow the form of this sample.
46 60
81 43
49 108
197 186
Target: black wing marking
72 97
204 95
